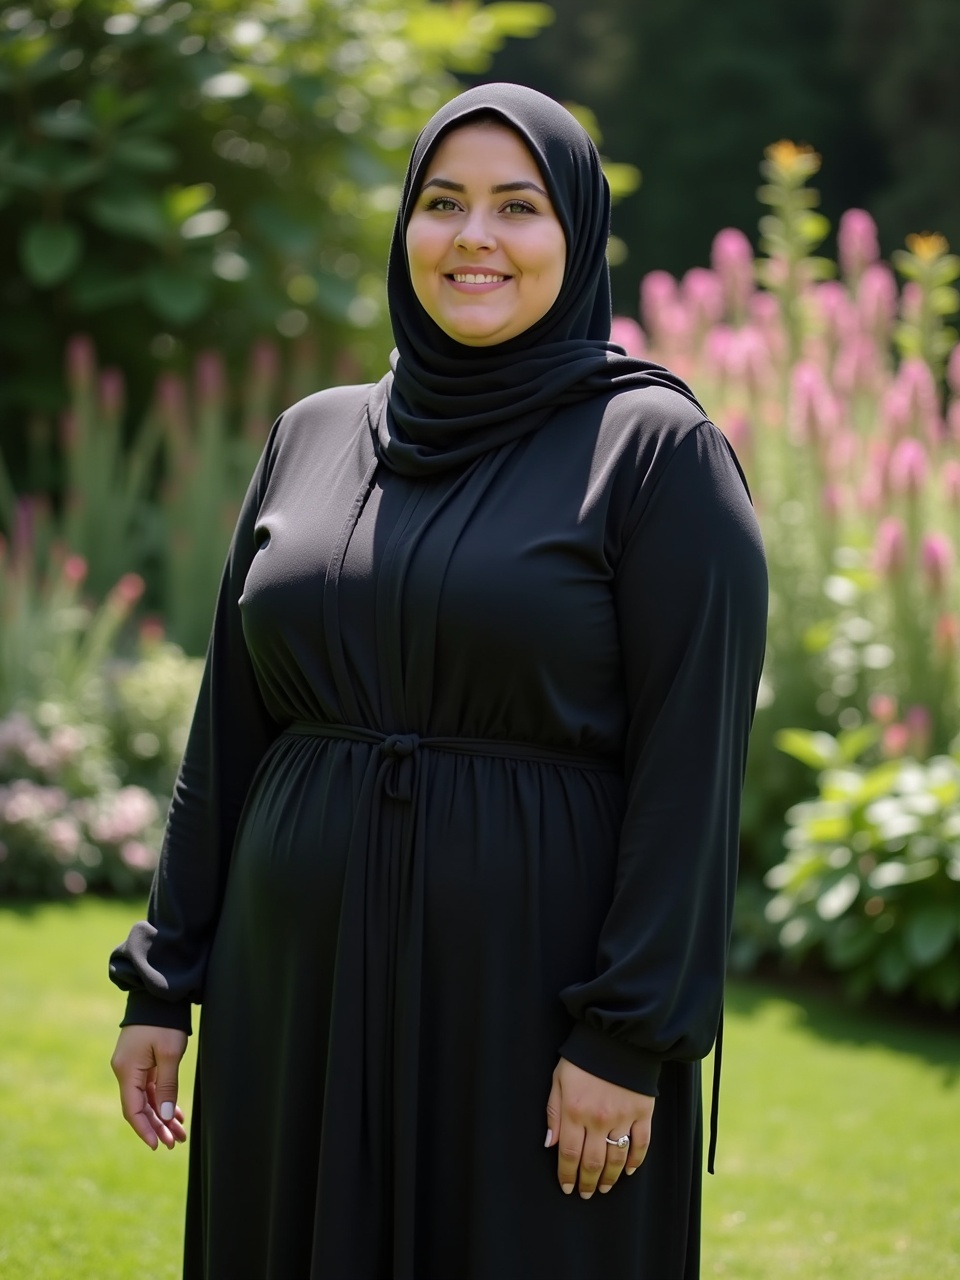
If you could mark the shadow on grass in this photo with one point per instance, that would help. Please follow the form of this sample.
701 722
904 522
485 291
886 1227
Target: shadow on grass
928 1034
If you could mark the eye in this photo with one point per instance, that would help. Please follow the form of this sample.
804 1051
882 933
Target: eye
442 204
518 206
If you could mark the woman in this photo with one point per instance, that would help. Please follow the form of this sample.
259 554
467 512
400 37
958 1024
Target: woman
454 838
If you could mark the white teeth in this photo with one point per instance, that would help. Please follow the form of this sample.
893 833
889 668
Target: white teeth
470 278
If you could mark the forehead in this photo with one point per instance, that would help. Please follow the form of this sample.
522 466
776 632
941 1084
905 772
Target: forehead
482 144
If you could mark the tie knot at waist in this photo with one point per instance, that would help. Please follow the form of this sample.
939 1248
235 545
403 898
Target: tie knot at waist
398 746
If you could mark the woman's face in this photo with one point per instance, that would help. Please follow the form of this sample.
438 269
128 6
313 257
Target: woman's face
486 251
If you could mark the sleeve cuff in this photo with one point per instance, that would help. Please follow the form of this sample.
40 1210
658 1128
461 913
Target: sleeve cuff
146 1010
612 1060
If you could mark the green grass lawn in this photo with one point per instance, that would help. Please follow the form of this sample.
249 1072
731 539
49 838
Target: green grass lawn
839 1141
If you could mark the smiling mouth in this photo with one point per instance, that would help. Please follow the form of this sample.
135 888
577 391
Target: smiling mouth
470 277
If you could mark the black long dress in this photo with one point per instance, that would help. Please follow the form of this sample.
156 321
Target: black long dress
461 795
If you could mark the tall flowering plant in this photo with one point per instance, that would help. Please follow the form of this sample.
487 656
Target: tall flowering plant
838 383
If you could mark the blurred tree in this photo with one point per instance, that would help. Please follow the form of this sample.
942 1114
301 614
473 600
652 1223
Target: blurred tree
177 174
692 92
905 56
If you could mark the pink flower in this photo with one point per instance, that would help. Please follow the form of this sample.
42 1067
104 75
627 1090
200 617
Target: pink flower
857 243
838 313
908 467
877 299
953 417
81 362
627 333
731 257
946 635
895 740
911 302
858 368
265 360
151 631
919 725
111 393
658 289
716 349
128 590
936 560
950 475
74 570
814 411
831 500
138 856
737 429
702 291
890 546
210 376
172 399
920 392
883 707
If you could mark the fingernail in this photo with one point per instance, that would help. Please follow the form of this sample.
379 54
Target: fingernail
585 1195
630 1172
567 1188
166 1110
549 1138
603 1190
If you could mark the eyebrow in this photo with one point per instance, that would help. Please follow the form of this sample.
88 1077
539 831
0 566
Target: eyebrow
446 185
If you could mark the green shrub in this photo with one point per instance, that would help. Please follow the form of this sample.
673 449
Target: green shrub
871 880
177 174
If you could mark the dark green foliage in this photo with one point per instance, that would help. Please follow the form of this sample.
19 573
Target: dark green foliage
174 175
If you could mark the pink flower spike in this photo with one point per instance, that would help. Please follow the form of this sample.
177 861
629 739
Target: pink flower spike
831 501
911 301
128 590
210 376
883 707
731 257
702 291
936 560
837 311
919 726
814 411
737 429
151 631
877 299
627 333
953 420
81 362
895 740
950 474
857 243
946 635
920 391
908 467
265 360
890 547
111 393
74 570
658 289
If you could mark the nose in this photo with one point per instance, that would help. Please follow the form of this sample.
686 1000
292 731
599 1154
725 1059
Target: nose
476 232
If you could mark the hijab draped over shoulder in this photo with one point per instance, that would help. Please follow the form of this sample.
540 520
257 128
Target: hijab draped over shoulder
445 402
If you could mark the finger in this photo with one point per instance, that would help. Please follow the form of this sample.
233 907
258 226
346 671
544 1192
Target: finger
570 1141
613 1166
553 1114
133 1104
168 1064
175 1126
639 1143
592 1160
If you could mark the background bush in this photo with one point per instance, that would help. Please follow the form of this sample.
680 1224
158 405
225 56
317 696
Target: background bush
180 174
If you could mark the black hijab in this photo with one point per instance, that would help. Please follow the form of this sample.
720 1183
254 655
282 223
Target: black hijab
445 402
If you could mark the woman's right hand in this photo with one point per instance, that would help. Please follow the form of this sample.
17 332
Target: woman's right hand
145 1062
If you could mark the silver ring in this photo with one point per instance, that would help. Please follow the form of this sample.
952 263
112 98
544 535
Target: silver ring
619 1142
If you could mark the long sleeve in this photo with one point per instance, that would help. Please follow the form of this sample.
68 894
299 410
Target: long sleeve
691 596
162 962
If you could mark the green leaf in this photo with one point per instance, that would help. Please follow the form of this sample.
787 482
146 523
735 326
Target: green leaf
850 943
814 748
854 742
49 251
928 933
182 203
893 968
175 296
96 287
146 154
135 214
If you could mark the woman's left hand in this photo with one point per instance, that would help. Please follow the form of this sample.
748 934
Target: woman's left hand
582 1112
